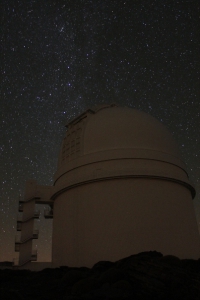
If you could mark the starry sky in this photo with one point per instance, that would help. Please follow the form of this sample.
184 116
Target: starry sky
60 58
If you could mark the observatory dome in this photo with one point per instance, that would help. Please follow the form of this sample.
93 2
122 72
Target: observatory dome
120 188
112 133
125 128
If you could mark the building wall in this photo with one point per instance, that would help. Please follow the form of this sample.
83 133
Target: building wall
111 219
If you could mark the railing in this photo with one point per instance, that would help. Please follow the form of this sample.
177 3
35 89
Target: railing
17 263
18 239
36 215
48 213
32 258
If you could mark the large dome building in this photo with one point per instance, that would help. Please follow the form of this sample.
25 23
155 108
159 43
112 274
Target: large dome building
120 188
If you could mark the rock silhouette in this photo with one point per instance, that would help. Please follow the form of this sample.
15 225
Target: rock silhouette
147 275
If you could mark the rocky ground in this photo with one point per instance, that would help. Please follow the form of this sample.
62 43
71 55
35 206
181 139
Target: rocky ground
148 275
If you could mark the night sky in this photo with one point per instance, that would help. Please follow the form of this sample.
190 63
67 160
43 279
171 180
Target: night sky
60 58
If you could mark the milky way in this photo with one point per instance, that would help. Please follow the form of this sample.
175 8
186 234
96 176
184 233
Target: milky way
62 57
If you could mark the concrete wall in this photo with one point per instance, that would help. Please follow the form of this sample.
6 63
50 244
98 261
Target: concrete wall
111 219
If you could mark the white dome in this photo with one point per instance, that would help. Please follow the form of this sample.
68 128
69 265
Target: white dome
116 133
120 188
125 128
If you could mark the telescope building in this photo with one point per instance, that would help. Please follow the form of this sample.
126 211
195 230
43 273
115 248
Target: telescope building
120 188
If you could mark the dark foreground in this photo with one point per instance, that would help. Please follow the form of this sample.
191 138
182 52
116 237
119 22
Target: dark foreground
148 275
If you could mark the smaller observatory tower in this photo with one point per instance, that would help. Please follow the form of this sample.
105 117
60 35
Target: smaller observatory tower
120 188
